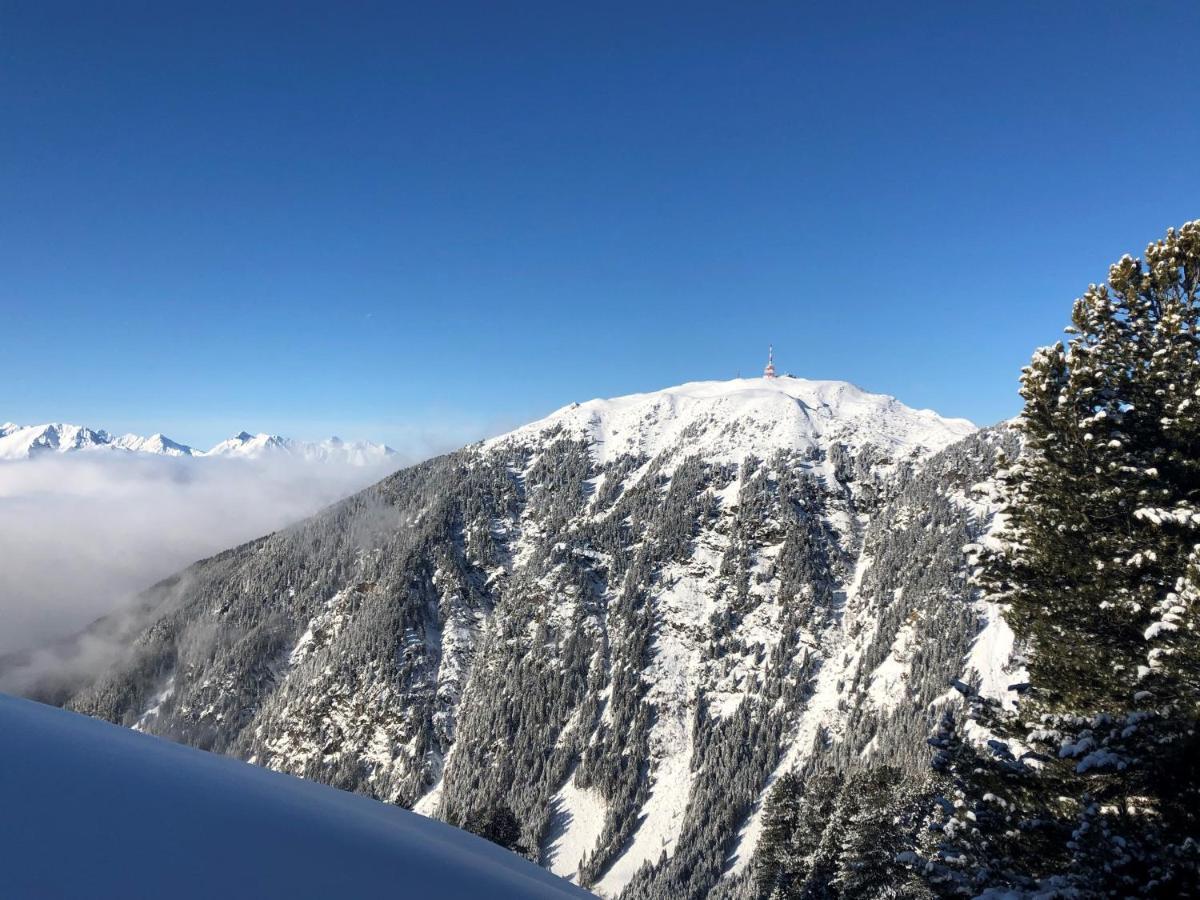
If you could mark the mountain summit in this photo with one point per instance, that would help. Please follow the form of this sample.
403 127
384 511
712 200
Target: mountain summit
725 420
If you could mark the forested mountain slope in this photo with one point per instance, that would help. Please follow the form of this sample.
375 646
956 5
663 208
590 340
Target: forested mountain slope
621 623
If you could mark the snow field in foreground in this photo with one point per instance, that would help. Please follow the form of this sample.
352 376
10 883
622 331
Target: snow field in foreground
93 810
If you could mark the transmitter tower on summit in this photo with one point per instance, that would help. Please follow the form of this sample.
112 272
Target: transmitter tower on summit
769 370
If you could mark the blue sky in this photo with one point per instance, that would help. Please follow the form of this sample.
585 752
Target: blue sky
423 223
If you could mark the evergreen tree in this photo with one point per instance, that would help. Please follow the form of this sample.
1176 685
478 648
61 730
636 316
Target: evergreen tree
1097 569
834 836
986 798
775 858
499 825
880 834
797 824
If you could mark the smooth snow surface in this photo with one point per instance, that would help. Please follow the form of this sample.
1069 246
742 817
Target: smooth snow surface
991 657
576 822
721 419
93 810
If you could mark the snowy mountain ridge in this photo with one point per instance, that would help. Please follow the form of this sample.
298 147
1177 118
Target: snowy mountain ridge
723 421
18 442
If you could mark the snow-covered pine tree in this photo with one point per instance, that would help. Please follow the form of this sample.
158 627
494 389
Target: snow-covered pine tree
880 836
1097 568
797 820
828 836
781 847
499 825
986 825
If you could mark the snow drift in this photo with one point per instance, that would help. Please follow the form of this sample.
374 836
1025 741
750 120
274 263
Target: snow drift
93 810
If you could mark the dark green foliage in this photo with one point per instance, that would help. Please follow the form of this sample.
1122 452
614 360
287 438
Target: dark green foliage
986 824
795 817
498 825
834 836
1097 573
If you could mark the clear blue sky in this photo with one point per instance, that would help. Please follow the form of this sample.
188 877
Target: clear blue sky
391 220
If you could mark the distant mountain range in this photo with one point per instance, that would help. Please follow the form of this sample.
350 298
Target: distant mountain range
30 441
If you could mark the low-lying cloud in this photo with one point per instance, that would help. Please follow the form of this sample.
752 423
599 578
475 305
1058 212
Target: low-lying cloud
82 533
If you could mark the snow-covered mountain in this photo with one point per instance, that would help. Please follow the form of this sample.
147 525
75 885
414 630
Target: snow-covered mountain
623 622
100 812
265 446
25 441
28 441
724 421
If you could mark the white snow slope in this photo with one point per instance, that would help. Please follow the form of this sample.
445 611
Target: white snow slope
93 810
30 441
723 421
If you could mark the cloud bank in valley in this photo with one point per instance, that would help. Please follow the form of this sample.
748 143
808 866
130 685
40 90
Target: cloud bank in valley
82 533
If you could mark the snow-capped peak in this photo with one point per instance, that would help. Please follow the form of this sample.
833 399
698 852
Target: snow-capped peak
250 445
256 446
727 420
157 443
25 441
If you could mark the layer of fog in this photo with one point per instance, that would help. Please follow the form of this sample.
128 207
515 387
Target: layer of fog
82 533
